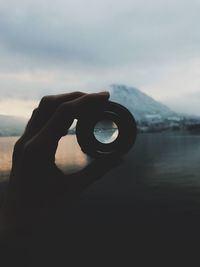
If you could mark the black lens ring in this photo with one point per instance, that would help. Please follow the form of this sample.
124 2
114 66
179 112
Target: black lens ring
109 111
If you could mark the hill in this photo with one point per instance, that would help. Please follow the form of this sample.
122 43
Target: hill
11 125
150 114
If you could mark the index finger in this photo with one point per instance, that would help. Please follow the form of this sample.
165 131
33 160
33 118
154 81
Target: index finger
47 139
46 109
73 109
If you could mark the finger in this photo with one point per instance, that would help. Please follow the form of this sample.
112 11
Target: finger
45 142
19 145
71 110
31 120
40 116
48 105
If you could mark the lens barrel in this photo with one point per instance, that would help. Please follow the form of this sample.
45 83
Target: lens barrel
111 111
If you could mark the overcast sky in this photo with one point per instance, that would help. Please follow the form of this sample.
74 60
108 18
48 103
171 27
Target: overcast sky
64 45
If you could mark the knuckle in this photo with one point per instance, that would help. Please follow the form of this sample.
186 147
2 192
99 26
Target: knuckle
77 94
43 100
34 111
46 100
88 99
32 115
18 147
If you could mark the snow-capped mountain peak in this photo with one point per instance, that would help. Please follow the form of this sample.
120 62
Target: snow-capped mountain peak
139 103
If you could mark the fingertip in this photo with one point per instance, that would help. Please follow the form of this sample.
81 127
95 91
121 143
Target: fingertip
105 94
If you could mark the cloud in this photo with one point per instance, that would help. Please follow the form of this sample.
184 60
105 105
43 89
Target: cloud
188 104
50 47
99 33
17 107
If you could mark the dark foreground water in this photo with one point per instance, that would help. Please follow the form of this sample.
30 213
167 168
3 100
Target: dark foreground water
155 191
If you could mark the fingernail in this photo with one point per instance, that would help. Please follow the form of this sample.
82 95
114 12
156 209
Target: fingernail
105 93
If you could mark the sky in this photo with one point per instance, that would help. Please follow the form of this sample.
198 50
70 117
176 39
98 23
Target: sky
51 47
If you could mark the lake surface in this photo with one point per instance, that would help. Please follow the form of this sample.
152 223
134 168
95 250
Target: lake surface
158 181
170 159
69 157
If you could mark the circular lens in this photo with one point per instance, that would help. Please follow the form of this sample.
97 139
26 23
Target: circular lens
106 131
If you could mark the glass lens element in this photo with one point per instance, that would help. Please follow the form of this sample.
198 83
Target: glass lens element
106 131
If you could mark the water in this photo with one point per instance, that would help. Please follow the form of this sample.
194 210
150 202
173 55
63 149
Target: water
6 149
69 157
157 184
106 131
170 159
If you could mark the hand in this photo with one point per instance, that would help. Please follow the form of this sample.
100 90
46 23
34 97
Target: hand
35 181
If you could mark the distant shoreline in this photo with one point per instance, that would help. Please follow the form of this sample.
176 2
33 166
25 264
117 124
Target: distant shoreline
140 131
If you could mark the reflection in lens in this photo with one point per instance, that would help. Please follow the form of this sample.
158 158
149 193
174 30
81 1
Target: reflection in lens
106 131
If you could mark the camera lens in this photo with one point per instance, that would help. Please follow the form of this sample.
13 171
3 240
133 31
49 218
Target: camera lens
106 131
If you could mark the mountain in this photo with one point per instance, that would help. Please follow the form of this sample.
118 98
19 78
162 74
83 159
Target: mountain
150 114
11 125
139 103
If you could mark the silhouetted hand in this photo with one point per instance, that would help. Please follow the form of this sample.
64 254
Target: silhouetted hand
35 181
